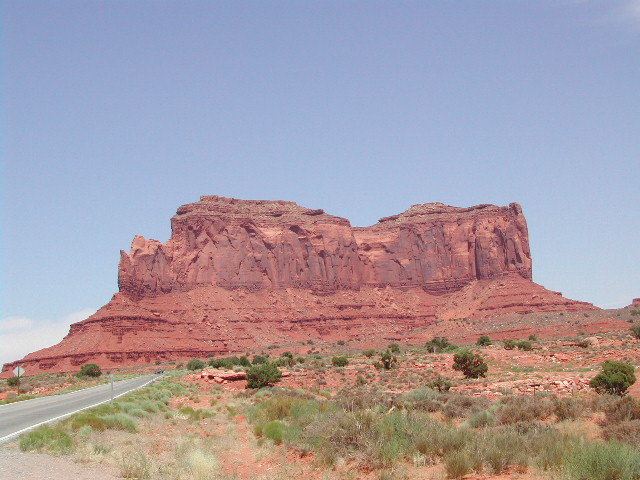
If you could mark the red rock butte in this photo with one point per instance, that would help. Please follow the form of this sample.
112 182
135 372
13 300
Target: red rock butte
241 275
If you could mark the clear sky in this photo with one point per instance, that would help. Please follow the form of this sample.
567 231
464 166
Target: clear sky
115 113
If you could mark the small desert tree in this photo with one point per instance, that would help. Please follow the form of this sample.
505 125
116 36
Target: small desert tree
483 341
388 360
259 359
263 375
439 345
340 361
441 384
615 378
470 364
195 364
525 345
90 370
394 348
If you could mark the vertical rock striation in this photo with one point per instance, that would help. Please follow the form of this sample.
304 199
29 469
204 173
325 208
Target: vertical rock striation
258 245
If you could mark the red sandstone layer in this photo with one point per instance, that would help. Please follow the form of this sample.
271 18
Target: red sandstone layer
257 245
213 320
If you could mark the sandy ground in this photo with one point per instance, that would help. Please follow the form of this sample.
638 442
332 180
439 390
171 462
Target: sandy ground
15 465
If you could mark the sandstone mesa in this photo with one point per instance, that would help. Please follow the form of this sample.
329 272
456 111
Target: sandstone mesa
240 275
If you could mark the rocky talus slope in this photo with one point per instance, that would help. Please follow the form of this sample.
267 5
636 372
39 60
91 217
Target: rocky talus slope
241 275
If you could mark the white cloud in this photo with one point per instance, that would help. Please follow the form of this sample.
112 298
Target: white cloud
620 15
9 324
78 316
20 336
633 10
618 302
627 14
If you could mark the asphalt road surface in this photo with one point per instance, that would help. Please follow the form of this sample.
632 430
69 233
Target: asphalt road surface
16 418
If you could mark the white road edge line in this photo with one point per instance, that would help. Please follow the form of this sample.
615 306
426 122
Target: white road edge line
7 437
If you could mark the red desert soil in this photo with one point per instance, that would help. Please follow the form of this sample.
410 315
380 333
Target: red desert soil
559 366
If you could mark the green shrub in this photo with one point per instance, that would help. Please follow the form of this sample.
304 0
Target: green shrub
260 376
223 363
90 370
550 449
525 345
274 430
533 337
567 408
439 345
47 439
509 344
470 364
202 465
524 409
484 418
394 348
502 449
137 412
196 414
13 381
420 398
284 362
135 466
483 341
88 418
259 360
369 353
603 461
373 438
635 330
457 464
297 410
627 432
616 378
459 405
11 398
120 421
622 409
341 342
341 361
195 364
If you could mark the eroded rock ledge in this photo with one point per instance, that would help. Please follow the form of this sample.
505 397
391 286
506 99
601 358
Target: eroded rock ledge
258 244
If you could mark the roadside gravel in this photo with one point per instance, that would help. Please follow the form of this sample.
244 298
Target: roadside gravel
17 465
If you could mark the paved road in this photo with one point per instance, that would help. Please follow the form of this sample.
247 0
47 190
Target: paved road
18 417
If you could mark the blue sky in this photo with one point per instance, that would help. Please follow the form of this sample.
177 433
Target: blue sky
116 113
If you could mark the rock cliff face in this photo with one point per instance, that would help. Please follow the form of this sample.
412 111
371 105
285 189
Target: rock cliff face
259 245
240 276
